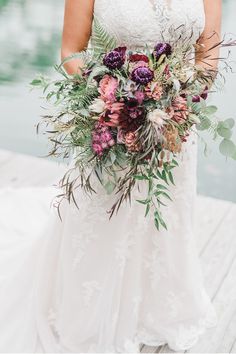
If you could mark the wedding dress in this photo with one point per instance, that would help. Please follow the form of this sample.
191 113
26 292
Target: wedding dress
88 284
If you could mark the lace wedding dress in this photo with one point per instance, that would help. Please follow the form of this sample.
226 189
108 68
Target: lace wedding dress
88 284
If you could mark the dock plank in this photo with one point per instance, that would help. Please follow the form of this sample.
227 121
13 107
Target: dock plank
219 265
218 340
18 170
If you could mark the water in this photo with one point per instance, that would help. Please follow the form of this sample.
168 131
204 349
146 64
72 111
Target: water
30 42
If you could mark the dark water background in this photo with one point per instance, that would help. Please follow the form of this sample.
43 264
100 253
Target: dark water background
29 43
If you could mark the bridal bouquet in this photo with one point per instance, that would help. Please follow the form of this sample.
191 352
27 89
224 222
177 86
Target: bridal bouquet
126 116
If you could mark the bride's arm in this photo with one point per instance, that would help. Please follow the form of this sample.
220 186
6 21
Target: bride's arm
211 36
76 31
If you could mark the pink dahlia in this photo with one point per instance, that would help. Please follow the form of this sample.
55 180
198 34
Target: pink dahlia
107 88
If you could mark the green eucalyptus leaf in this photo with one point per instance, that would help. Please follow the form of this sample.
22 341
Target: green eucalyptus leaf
198 107
205 124
227 148
230 123
234 155
224 131
210 110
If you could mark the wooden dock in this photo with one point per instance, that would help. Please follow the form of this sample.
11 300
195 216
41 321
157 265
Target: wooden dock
216 241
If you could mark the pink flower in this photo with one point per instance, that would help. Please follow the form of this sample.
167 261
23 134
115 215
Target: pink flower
131 142
105 137
153 90
101 139
107 88
112 114
167 72
96 137
97 148
179 110
139 95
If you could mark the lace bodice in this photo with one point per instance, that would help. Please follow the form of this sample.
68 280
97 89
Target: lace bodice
137 23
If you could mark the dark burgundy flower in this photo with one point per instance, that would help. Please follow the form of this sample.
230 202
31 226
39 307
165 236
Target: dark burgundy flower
142 75
204 95
138 57
132 115
133 108
115 59
162 48
196 99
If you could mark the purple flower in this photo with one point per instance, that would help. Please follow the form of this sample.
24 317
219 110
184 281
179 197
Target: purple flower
162 48
115 59
142 75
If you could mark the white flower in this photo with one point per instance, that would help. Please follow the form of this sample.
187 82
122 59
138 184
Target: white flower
158 117
187 74
98 106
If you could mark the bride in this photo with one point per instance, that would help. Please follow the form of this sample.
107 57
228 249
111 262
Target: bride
88 284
